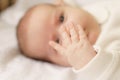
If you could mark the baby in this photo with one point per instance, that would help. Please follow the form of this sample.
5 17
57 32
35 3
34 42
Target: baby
63 34
58 33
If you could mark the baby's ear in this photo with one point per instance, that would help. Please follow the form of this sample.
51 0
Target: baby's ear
59 2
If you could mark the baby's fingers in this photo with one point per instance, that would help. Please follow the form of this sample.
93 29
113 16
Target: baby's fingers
65 36
73 33
57 47
82 34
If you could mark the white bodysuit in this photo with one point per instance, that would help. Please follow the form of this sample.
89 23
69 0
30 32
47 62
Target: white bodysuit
106 64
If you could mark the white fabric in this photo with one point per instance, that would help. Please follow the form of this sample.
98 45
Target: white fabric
106 64
14 66
16 11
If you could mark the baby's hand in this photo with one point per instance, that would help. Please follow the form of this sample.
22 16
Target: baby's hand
75 46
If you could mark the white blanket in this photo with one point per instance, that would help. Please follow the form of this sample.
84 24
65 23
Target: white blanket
15 66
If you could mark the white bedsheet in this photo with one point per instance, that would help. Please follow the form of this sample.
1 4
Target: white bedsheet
15 66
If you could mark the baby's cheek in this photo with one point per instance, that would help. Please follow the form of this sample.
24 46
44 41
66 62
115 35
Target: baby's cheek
92 37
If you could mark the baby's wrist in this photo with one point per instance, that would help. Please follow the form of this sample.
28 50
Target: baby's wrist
78 63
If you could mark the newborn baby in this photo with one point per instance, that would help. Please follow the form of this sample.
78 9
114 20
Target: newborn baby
58 33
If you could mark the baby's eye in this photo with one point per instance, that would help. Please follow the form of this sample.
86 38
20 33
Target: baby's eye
57 41
61 18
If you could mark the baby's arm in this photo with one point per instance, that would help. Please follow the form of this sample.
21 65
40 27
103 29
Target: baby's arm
75 46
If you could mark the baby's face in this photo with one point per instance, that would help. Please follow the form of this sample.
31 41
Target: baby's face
43 24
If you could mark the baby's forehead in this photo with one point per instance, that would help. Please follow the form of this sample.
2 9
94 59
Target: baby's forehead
37 19
39 10
42 6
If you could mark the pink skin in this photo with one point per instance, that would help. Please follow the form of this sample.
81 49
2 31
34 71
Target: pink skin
43 24
75 46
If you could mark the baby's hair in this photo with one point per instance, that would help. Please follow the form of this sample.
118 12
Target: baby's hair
21 34
18 39
18 34
19 45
